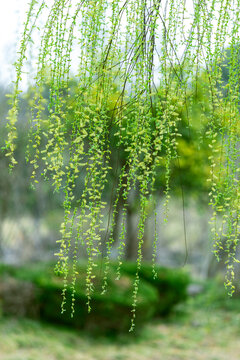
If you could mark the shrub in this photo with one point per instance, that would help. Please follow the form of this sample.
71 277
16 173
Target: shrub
171 284
111 312
213 296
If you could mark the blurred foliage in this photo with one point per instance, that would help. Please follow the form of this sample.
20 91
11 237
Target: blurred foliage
191 168
17 195
213 296
111 310
189 171
171 284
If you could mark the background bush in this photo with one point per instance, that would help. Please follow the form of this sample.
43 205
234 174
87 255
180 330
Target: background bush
36 291
171 284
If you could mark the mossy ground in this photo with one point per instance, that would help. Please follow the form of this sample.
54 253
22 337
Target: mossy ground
198 330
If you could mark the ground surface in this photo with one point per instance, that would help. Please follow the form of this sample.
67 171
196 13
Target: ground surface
200 333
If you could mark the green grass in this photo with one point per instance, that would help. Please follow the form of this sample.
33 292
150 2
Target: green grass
201 329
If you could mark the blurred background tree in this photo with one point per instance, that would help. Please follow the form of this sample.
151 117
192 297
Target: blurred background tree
189 171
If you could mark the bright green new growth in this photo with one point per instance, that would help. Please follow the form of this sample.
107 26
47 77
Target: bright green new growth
139 64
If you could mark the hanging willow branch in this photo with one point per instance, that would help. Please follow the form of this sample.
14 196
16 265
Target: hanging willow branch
138 63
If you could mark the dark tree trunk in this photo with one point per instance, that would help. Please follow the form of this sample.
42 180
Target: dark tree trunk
131 235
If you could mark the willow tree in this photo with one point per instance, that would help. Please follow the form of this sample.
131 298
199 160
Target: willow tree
142 46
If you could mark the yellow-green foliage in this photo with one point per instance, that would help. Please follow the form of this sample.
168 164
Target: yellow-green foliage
155 52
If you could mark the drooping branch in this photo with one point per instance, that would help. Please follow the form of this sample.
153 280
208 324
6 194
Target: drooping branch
139 62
